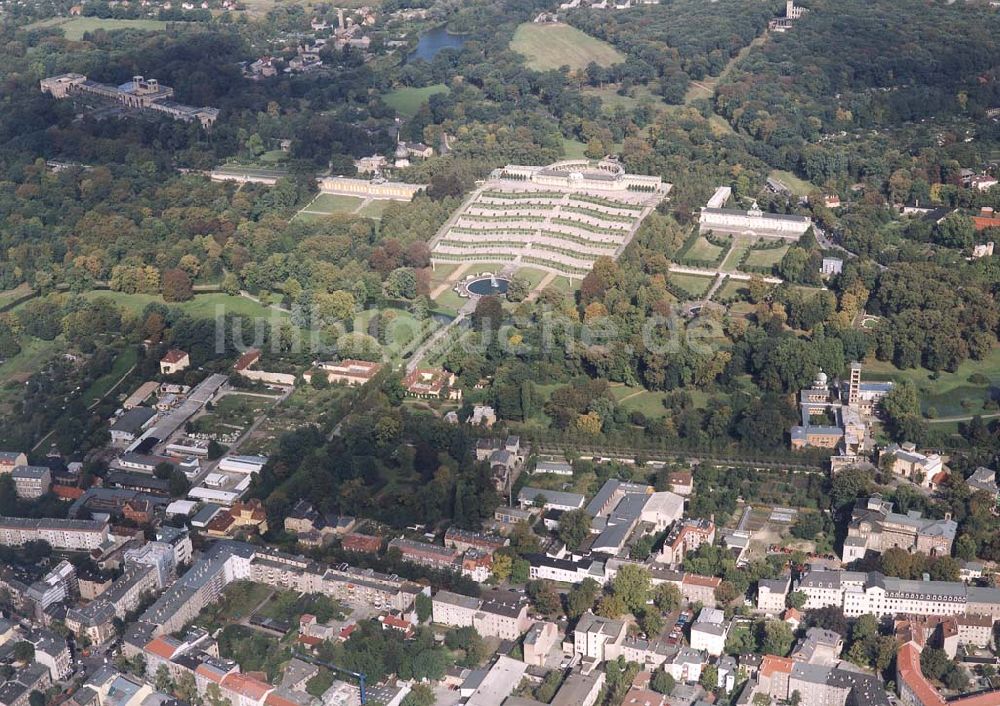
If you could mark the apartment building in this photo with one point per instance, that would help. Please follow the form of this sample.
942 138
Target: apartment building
63 535
686 536
709 631
771 594
463 540
874 527
432 555
598 638
52 651
858 593
31 482
817 685
502 614
567 570
228 561
540 639
124 596
9 460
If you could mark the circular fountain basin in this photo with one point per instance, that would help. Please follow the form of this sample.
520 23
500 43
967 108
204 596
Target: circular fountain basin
484 286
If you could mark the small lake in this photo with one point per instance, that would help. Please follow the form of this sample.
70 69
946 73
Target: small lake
433 41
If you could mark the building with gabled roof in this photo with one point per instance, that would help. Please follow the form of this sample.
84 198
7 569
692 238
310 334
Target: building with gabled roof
174 361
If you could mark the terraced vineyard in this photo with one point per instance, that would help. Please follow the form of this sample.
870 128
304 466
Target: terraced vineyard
559 231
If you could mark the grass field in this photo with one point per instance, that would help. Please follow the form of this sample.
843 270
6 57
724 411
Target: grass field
9 295
448 302
548 46
14 371
407 101
441 273
701 249
732 261
231 416
75 27
611 99
332 203
125 360
374 209
532 276
731 287
799 187
695 285
239 599
650 402
947 392
573 149
203 306
766 258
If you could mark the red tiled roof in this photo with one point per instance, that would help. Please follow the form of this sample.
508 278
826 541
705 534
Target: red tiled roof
275 699
699 580
209 673
348 630
362 542
67 492
908 670
772 664
643 697
310 640
246 686
990 698
160 648
174 355
982 222
247 359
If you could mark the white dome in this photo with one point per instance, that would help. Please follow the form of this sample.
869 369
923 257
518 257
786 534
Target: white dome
821 379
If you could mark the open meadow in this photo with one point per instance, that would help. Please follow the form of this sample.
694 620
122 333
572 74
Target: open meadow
75 27
550 46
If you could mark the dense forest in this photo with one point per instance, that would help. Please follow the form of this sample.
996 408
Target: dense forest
664 48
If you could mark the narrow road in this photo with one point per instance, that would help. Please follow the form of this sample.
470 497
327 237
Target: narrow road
438 336
963 418
546 281
742 276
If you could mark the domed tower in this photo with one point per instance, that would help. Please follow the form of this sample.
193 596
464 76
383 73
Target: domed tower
821 380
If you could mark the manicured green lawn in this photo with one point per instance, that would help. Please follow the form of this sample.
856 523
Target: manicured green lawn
730 288
75 27
449 302
125 360
766 258
374 209
333 203
550 46
732 260
695 285
564 284
442 272
701 249
799 187
203 306
407 101
532 276
947 391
